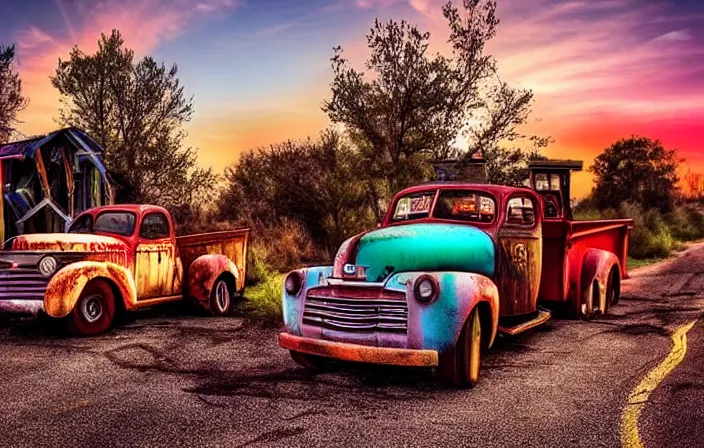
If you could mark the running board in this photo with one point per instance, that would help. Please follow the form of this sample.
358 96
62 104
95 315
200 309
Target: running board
542 317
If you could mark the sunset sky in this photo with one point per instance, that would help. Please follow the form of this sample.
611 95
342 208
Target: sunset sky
259 69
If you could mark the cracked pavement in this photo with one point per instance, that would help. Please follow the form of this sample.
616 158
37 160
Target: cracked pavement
170 377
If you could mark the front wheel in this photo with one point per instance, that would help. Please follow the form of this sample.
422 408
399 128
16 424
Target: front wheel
461 365
94 311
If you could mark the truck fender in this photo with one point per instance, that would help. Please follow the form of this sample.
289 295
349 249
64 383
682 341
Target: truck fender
66 285
438 325
203 273
596 267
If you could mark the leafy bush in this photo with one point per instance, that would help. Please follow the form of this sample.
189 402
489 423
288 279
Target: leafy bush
264 300
654 235
686 223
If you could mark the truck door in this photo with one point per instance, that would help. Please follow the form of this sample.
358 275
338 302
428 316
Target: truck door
157 263
519 256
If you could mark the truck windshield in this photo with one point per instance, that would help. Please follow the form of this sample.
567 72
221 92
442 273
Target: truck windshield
118 223
83 224
462 205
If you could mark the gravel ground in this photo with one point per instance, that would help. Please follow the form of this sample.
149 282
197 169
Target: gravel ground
173 378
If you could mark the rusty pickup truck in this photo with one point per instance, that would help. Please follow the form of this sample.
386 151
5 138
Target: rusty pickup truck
120 258
451 266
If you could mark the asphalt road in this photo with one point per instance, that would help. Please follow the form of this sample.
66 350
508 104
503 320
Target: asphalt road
185 380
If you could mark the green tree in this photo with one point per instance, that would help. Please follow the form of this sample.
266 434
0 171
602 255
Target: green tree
11 100
509 166
401 115
137 110
410 105
636 169
314 182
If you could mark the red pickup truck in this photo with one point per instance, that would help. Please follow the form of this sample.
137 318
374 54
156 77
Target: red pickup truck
452 265
120 257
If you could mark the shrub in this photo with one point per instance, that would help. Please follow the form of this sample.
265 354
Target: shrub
686 223
264 299
258 269
651 236
280 248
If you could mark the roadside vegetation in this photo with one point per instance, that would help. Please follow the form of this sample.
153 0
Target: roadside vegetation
636 178
302 198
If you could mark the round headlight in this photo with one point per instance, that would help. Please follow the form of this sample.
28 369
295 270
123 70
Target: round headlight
293 283
47 266
426 289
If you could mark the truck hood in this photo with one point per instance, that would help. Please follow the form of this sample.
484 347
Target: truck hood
425 247
67 242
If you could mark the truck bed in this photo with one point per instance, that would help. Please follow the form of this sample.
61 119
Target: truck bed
565 244
231 243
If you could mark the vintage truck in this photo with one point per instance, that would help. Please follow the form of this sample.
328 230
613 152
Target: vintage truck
119 258
451 265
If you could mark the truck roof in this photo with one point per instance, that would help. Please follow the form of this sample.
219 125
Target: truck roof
496 190
134 208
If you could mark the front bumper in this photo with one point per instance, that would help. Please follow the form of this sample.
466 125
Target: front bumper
21 306
360 353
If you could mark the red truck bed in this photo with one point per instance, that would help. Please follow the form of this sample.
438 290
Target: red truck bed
564 246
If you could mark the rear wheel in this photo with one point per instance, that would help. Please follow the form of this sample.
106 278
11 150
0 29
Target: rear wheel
310 362
613 290
221 298
461 365
94 311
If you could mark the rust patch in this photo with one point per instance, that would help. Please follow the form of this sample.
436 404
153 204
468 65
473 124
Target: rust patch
204 271
231 244
67 242
518 271
360 353
66 286
155 267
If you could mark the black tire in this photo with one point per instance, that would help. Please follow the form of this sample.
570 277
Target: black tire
613 289
94 311
221 298
309 362
461 365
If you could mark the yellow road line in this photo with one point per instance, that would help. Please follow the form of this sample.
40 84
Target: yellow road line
640 395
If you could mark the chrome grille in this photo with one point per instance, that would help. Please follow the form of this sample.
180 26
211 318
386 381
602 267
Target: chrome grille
22 283
356 309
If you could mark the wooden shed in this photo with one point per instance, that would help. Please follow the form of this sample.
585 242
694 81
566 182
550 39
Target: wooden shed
47 180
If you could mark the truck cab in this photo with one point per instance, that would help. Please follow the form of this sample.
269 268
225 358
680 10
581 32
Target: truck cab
451 265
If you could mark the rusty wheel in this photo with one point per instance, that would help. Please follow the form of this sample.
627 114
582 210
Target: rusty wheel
221 298
461 365
94 311
310 362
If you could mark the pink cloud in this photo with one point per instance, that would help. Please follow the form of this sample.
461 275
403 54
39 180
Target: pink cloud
675 36
143 24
